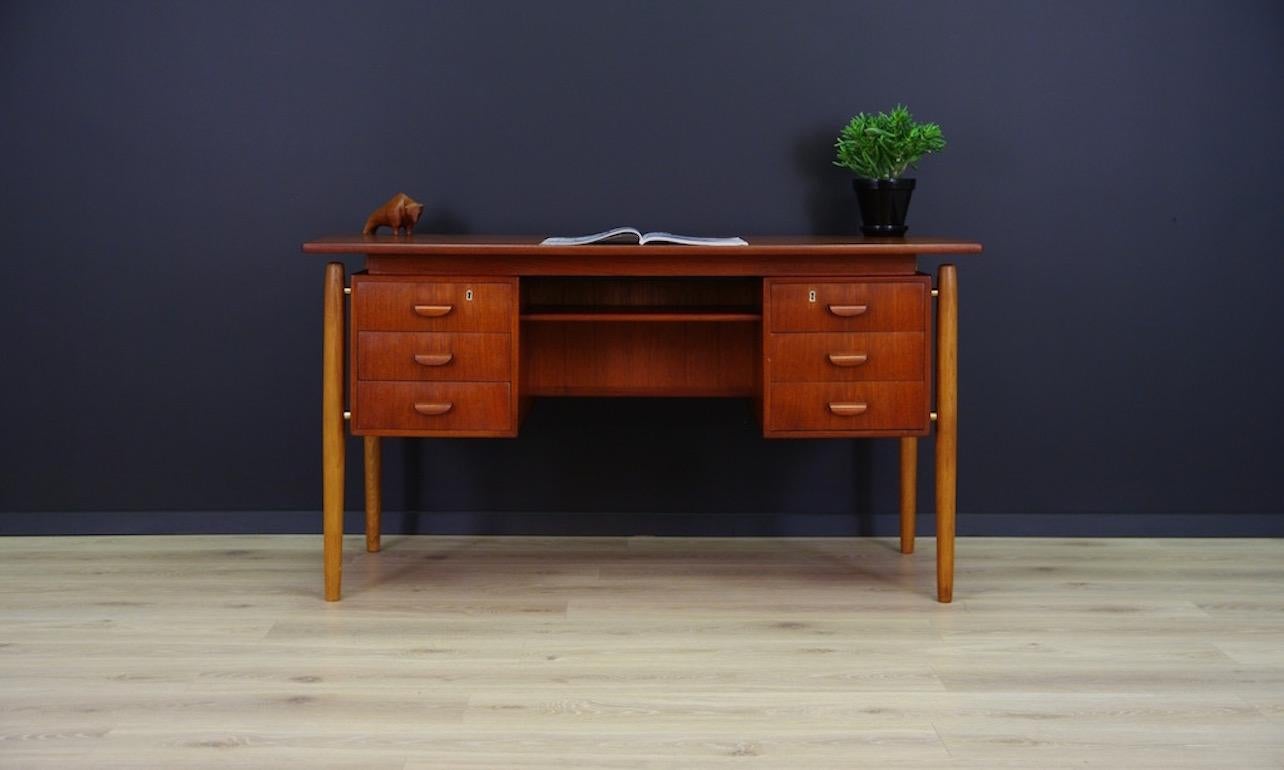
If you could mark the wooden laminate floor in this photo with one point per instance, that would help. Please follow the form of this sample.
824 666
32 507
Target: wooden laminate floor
447 652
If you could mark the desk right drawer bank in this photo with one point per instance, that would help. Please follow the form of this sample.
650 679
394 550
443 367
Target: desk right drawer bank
846 357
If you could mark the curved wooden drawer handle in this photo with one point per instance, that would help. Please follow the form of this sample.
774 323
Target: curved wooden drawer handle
433 311
847 311
433 359
434 409
847 359
847 409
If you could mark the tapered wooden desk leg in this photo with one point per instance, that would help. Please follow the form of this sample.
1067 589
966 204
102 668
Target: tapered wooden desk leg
909 492
947 400
332 459
374 496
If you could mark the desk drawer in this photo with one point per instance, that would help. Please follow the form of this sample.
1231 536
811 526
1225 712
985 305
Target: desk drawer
434 408
462 357
848 406
846 357
848 306
432 305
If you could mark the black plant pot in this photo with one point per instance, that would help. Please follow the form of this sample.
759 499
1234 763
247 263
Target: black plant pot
883 204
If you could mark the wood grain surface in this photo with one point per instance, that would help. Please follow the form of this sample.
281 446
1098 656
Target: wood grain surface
849 306
333 459
383 305
844 357
758 245
810 406
449 356
653 358
947 431
437 408
522 256
466 652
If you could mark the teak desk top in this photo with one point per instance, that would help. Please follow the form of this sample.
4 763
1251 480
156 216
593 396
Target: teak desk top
522 255
455 336
507 245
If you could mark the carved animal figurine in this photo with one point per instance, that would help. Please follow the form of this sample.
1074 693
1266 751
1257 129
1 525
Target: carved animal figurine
400 211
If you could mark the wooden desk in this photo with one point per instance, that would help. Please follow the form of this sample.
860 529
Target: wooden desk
452 336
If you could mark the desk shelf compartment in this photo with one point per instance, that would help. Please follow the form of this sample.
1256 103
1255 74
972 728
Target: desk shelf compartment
640 359
641 300
642 314
688 336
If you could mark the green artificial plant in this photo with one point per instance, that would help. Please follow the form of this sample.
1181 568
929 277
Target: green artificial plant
884 145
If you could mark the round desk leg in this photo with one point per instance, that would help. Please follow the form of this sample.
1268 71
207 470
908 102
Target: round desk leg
909 492
332 431
374 496
947 379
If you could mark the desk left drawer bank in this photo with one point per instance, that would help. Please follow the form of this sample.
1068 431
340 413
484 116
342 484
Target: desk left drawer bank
433 356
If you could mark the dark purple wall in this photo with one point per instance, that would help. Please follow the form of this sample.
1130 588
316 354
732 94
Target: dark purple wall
162 162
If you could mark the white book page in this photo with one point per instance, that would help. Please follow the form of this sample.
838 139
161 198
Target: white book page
691 240
617 235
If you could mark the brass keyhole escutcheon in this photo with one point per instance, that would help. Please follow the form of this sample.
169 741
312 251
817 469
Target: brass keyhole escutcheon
468 296
811 296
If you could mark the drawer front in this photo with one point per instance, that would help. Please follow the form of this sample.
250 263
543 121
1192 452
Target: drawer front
848 406
430 408
432 306
848 306
461 357
847 357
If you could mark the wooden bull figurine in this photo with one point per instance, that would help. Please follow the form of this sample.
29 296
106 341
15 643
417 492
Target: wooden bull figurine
400 211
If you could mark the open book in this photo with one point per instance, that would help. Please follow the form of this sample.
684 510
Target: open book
635 236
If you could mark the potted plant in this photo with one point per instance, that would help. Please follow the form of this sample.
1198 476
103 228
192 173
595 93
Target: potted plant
879 148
